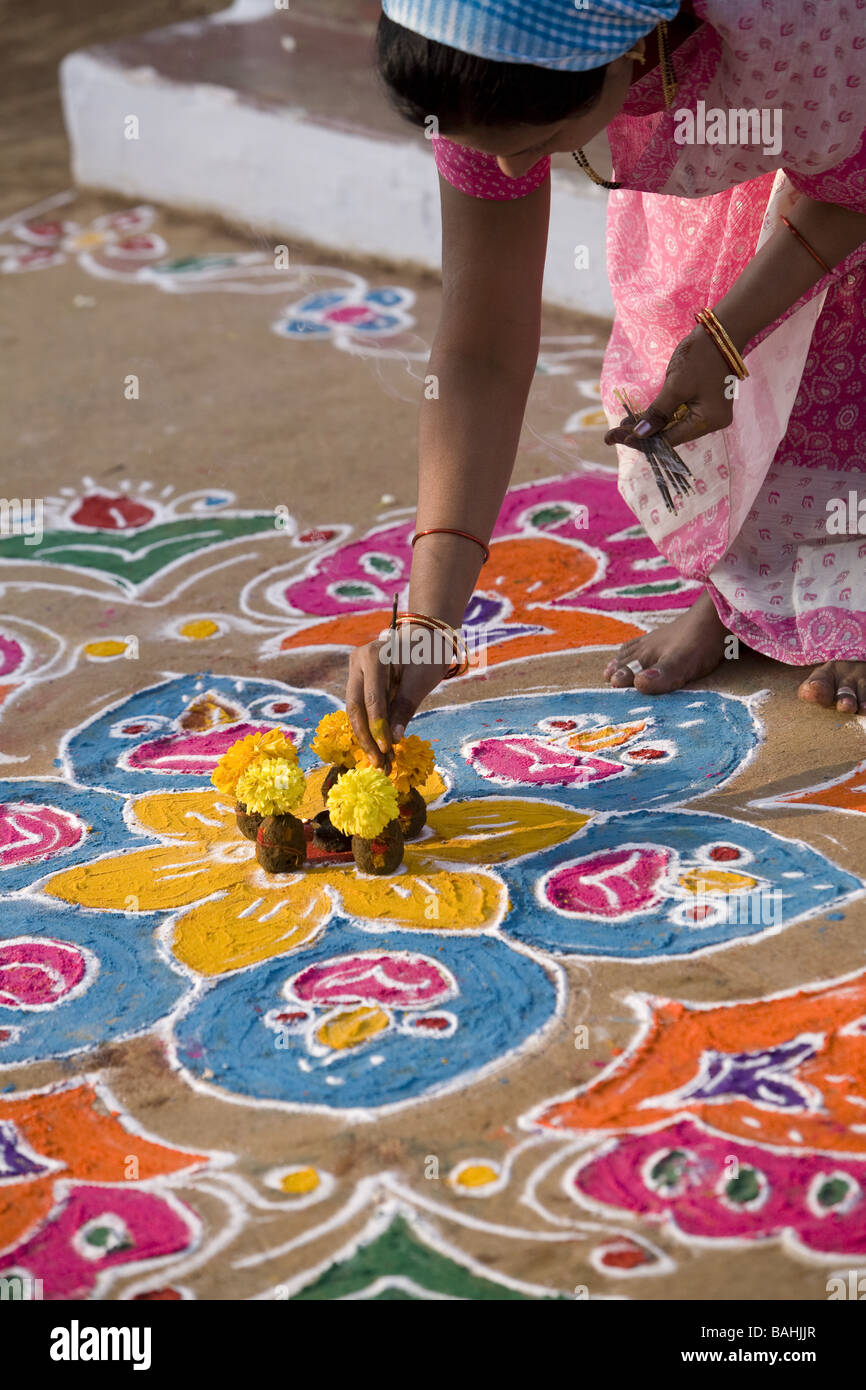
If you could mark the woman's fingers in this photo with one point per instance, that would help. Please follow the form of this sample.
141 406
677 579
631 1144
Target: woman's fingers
366 702
377 727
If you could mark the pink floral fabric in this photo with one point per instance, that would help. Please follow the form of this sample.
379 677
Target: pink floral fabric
479 175
756 532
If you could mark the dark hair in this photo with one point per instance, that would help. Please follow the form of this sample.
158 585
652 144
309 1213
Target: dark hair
425 78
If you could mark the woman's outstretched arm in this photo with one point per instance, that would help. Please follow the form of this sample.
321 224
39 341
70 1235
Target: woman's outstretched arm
483 359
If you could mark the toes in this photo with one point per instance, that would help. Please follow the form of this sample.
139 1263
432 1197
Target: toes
656 680
820 688
620 662
622 677
846 697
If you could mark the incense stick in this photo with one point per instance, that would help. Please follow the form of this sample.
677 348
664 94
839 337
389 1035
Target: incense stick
669 470
391 640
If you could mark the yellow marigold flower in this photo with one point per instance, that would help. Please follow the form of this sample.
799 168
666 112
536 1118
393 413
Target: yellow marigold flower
271 786
335 741
362 802
235 760
412 762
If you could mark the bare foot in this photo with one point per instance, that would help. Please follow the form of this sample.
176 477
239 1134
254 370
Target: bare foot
839 683
672 655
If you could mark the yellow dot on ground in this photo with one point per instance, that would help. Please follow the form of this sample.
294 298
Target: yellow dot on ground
475 1175
197 628
108 647
300 1182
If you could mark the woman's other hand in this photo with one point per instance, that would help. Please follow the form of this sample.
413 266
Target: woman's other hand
376 725
698 377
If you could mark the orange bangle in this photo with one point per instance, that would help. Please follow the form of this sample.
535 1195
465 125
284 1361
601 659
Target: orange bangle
452 531
806 246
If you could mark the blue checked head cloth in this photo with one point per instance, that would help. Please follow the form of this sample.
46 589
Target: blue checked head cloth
574 35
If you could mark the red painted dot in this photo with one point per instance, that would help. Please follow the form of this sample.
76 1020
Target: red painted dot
134 728
151 1295
435 1025
647 754
281 707
311 537
562 723
296 1016
625 1255
699 912
724 853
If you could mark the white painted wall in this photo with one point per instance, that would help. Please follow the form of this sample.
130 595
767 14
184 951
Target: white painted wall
201 149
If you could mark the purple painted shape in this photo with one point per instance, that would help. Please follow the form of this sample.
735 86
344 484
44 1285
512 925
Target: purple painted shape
14 1162
760 1077
142 1226
707 1203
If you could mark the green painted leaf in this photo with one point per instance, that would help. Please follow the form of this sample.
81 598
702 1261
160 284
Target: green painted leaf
399 1254
133 557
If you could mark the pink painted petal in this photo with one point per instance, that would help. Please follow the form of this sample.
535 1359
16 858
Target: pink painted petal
536 762
612 884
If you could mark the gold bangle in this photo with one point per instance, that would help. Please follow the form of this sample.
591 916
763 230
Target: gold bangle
722 338
723 341
460 653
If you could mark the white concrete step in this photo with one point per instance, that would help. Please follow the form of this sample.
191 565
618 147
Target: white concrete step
274 120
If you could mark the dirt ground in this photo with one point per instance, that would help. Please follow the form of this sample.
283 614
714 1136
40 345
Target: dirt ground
136 409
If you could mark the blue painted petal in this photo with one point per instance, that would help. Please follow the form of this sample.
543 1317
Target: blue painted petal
379 323
804 880
504 998
102 814
315 303
95 754
133 988
713 734
388 297
303 328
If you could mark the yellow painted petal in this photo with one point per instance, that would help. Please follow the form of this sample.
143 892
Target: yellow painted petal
201 816
434 901
351 1027
703 881
492 830
162 877
252 922
611 736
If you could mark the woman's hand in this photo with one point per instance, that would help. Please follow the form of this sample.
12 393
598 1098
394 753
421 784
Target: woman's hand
698 377
376 725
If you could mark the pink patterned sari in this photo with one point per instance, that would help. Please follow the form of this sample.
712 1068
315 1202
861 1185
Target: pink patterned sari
756 531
